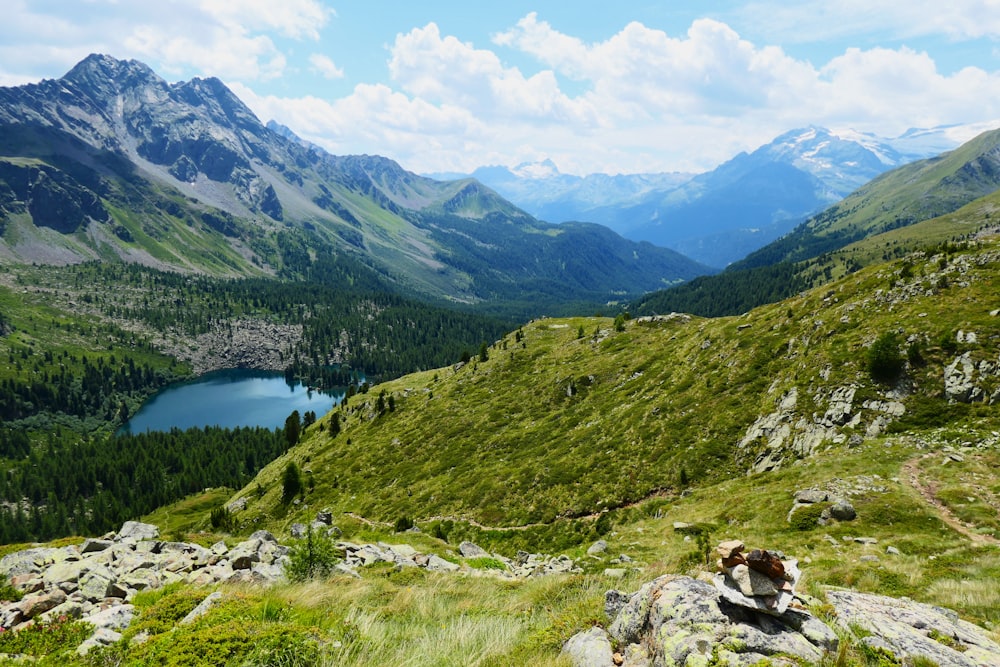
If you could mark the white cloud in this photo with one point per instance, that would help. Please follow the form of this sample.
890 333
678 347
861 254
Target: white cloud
448 71
214 50
226 38
325 66
639 99
297 19
812 20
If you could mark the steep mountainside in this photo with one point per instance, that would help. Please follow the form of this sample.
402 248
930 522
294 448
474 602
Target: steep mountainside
912 193
948 198
111 161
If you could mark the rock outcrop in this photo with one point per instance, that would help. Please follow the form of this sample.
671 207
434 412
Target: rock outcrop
744 620
907 629
95 581
787 433
683 621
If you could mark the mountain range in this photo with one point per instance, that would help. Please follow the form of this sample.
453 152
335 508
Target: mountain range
112 162
719 216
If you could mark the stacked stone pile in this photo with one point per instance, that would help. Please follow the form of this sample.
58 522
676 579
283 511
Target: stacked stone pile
760 580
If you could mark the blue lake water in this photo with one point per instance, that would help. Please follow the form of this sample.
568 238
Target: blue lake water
229 399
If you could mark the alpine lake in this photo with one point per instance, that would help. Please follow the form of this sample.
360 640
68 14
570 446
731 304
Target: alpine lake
229 399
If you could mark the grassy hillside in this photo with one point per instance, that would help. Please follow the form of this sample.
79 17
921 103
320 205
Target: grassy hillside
567 418
653 421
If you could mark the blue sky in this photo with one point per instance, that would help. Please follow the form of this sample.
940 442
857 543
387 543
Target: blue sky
611 86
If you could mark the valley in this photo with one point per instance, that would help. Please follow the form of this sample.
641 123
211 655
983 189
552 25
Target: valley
527 389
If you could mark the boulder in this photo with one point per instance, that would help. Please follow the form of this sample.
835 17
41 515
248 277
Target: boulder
471 550
589 649
102 637
902 627
92 546
116 618
437 564
35 605
597 548
843 510
811 496
202 608
135 531
683 621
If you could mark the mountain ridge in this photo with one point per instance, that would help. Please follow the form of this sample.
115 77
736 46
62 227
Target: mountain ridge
706 216
211 181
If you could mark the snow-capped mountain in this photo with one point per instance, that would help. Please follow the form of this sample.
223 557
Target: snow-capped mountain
721 215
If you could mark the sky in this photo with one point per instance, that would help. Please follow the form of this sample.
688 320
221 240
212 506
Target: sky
612 86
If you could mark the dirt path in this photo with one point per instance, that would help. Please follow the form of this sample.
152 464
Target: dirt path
928 491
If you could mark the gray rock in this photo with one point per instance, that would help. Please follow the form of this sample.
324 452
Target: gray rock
134 531
614 572
471 550
92 546
36 605
102 637
437 564
264 536
27 561
613 602
237 505
892 551
751 582
325 517
297 530
810 496
842 510
203 608
113 618
901 626
597 548
589 649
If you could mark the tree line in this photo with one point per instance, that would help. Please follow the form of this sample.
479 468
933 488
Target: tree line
86 486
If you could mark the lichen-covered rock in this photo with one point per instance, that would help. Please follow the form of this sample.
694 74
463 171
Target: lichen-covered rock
683 621
909 629
590 649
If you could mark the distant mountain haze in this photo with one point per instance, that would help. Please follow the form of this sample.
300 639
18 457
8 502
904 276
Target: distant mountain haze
722 215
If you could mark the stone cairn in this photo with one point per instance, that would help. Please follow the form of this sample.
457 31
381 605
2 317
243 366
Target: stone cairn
760 580
750 613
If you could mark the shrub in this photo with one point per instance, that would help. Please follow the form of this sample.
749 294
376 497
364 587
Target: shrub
8 593
485 563
807 518
291 482
403 524
40 639
222 519
885 362
314 558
